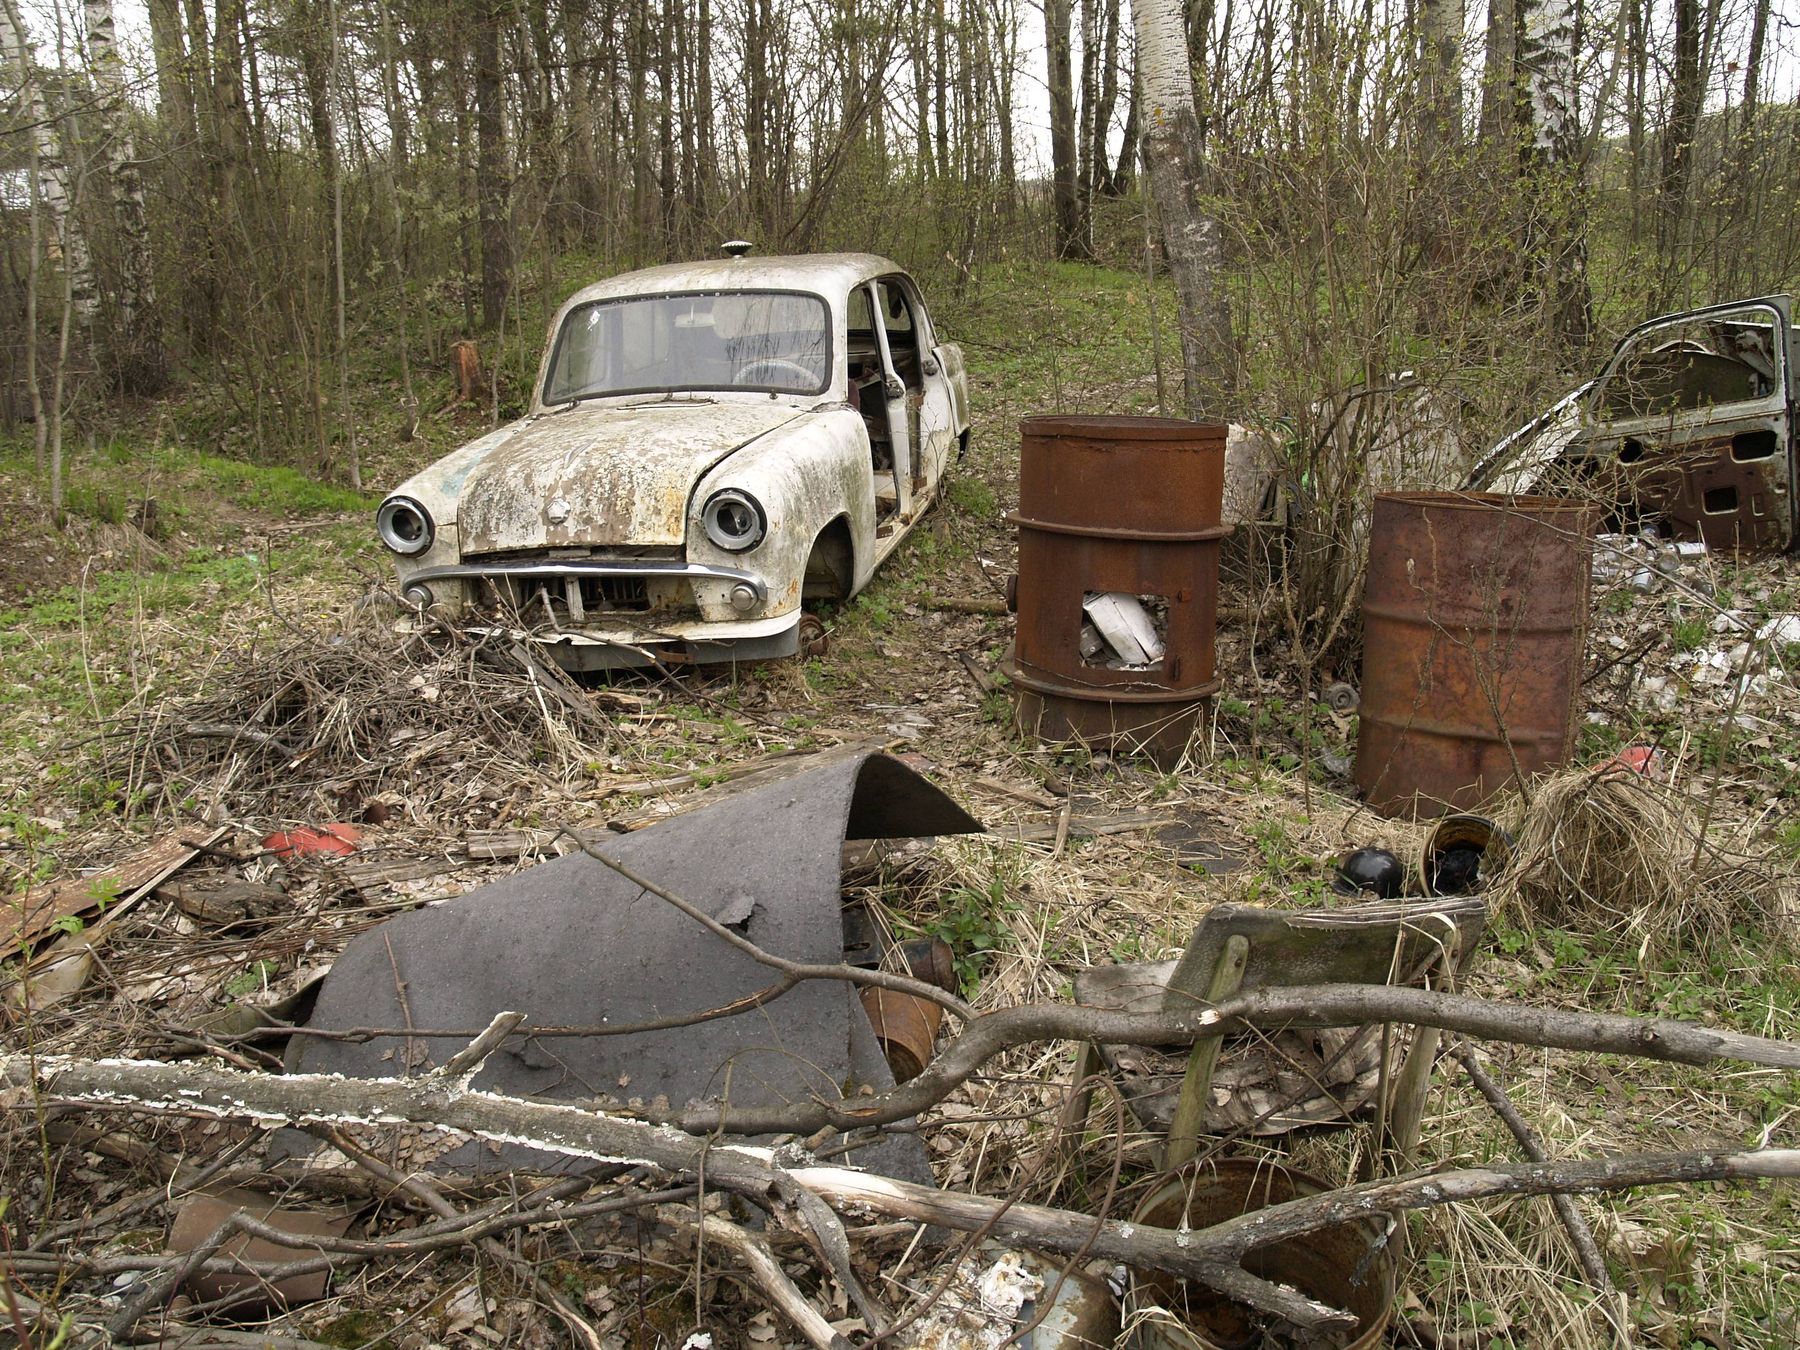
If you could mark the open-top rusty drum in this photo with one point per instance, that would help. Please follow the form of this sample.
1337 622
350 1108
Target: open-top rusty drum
1118 592
1474 625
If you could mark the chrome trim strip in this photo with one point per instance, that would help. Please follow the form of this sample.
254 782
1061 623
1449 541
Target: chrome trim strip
637 567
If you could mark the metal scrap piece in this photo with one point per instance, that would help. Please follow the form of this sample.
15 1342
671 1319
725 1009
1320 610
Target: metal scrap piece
572 943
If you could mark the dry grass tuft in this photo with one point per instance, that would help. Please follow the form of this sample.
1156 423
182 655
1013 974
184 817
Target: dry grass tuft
1609 851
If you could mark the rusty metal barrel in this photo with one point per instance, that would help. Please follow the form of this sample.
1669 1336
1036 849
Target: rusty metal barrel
1123 512
1474 624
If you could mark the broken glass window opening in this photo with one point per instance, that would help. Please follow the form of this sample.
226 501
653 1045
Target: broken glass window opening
1124 632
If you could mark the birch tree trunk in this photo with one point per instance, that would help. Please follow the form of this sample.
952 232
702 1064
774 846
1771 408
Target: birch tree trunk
1440 75
1551 153
143 366
54 188
1171 132
35 247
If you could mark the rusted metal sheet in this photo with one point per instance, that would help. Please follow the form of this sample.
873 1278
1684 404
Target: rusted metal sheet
1474 620
1126 506
199 1217
905 1028
1730 492
574 944
1692 421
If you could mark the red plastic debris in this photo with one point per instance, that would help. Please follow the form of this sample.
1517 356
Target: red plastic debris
1641 759
336 838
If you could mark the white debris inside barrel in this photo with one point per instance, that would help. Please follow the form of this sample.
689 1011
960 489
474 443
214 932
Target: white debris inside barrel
1123 631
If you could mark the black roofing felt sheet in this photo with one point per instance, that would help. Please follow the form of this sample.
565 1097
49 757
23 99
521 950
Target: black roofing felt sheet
572 943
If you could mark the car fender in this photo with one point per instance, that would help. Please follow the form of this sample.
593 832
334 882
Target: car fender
438 488
805 475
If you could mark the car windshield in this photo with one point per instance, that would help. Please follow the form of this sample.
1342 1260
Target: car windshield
773 341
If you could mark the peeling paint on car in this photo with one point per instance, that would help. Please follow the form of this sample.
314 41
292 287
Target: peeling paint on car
623 475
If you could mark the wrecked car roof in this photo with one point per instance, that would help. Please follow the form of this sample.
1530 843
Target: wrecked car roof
827 273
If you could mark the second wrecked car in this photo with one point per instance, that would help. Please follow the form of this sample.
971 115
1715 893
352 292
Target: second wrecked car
1692 420
710 445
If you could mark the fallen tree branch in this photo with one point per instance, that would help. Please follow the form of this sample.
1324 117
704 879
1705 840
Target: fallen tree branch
771 1279
1323 1005
1210 1256
1587 1251
1326 1005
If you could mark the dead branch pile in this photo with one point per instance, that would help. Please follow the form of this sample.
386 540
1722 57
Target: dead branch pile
435 721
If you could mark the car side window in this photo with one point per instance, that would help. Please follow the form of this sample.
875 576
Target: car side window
896 316
859 317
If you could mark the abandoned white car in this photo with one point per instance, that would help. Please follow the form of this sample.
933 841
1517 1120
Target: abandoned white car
711 446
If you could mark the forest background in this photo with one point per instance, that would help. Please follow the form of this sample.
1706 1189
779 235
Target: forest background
271 215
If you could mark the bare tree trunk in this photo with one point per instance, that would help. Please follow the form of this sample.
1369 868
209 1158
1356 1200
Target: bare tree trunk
1498 81
1440 75
1556 236
490 165
1100 178
346 413
22 60
1064 189
1685 93
54 185
1190 232
143 365
397 174
1125 173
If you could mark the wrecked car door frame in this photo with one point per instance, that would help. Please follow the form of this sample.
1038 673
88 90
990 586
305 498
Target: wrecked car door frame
1724 471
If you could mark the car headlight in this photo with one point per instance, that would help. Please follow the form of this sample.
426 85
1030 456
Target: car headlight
734 520
404 526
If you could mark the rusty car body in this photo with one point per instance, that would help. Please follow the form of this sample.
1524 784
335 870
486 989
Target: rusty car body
1692 422
710 447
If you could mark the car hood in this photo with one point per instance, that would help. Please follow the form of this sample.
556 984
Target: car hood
597 476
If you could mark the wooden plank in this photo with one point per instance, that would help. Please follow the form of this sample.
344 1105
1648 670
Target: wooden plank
372 875
40 911
516 843
1086 827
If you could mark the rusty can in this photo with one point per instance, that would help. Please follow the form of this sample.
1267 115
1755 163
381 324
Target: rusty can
1129 508
1474 628
905 1027
1348 1266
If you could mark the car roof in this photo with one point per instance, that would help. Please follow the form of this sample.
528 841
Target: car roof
831 274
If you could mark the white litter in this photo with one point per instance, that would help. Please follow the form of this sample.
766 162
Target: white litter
1126 626
1782 630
